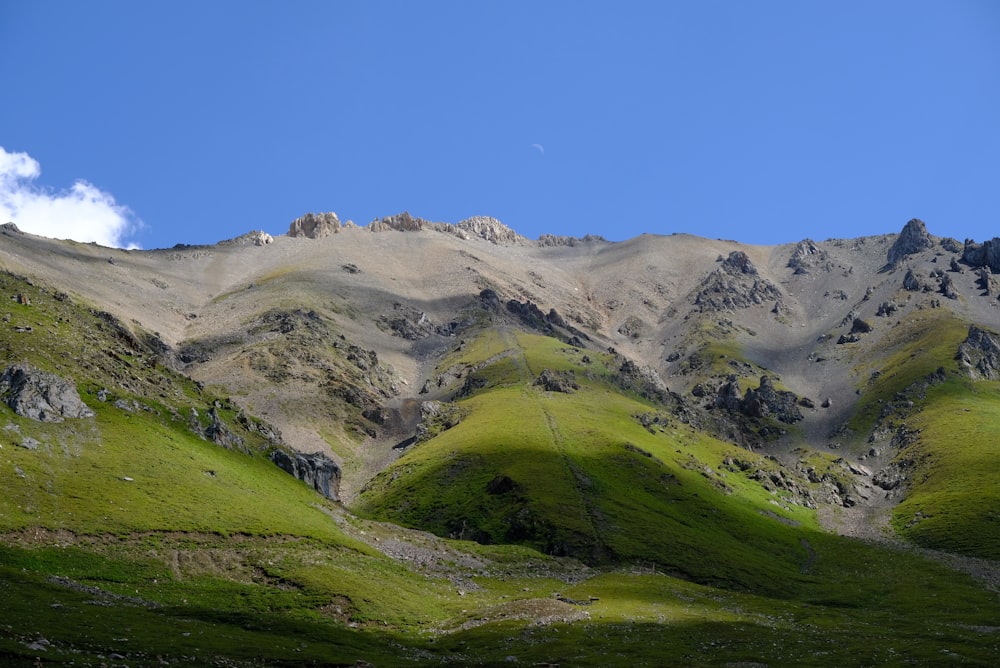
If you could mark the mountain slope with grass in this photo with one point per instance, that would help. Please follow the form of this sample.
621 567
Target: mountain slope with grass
668 450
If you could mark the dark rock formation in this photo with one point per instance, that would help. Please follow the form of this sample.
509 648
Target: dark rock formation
219 433
986 282
986 254
490 300
912 283
859 326
946 286
40 395
315 225
979 355
885 309
315 469
557 381
10 229
766 400
735 284
913 239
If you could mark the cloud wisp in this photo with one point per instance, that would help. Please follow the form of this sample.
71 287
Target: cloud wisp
82 212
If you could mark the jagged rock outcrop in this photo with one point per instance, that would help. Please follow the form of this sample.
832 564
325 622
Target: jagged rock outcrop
887 308
986 254
913 284
219 432
808 256
40 395
401 222
946 286
735 284
913 239
10 228
986 282
557 381
315 469
315 225
252 238
547 240
490 229
979 355
764 401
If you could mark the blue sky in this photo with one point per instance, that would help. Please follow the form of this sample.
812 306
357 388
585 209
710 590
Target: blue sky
155 123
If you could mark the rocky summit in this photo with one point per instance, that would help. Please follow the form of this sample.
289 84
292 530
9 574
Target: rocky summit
418 442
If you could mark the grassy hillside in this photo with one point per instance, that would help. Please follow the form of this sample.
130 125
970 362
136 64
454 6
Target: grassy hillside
607 530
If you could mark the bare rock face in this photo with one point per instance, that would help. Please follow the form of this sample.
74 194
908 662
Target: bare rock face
315 225
490 229
40 395
557 381
912 283
253 238
735 284
401 222
315 469
807 257
986 254
979 355
913 239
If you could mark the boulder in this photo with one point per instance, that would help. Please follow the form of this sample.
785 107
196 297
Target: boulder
40 395
315 225
315 469
913 239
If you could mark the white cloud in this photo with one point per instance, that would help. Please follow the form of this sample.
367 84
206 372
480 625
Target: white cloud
82 212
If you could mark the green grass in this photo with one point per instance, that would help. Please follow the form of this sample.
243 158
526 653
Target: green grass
207 556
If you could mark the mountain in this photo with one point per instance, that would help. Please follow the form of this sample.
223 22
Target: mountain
667 450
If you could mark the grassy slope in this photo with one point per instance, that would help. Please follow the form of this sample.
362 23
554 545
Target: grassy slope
247 564
954 465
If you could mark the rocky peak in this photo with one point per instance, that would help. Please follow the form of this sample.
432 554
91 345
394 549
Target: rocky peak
913 239
807 255
315 225
490 229
735 284
737 263
401 222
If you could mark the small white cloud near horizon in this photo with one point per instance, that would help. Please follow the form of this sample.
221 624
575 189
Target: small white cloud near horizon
541 149
82 213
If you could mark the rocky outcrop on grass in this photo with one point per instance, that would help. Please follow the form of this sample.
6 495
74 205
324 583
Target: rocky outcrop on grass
762 402
40 395
913 239
736 284
557 381
315 469
979 355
